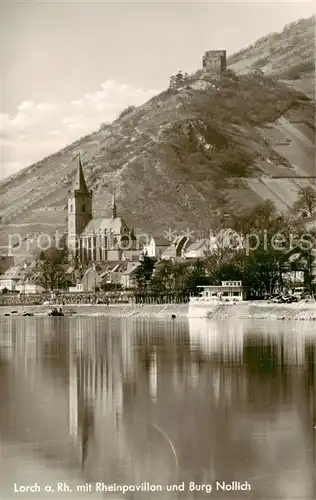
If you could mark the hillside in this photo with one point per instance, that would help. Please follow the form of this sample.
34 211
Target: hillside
218 142
289 56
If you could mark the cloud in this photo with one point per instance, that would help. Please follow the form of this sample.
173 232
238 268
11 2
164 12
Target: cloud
39 129
26 106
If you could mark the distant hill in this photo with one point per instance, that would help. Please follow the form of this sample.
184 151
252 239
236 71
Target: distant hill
218 142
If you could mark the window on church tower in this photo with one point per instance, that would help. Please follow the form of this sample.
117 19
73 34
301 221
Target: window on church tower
83 208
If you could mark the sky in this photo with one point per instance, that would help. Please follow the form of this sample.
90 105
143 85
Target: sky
68 66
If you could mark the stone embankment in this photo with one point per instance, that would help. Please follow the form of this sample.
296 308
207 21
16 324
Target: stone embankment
245 310
113 310
266 310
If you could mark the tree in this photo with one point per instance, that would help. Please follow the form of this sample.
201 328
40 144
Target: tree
230 271
306 201
172 82
262 217
143 273
51 273
163 280
255 252
196 276
302 258
262 272
225 250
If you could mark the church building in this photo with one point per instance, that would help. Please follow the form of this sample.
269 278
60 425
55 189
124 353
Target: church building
94 239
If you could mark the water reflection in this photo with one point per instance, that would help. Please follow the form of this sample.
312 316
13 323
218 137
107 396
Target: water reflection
131 401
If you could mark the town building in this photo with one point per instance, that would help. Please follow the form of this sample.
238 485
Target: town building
228 291
11 278
176 249
94 239
28 285
119 274
91 280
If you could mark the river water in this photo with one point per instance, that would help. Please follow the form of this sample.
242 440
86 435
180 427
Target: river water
157 405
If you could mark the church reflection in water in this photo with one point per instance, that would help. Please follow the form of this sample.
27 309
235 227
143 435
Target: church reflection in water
161 401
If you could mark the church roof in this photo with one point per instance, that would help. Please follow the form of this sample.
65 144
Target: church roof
79 183
96 225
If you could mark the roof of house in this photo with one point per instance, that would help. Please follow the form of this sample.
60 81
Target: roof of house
6 262
90 270
131 268
112 267
160 241
29 278
223 288
13 273
169 251
119 268
183 239
70 269
201 244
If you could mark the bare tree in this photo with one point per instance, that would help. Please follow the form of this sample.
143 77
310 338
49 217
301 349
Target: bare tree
306 201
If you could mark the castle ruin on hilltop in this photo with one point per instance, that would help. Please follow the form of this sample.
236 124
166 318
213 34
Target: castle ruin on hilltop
214 60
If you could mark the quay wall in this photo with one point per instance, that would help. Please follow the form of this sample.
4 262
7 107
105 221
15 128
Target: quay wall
249 310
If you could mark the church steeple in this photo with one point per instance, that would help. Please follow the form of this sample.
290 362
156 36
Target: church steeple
114 214
79 210
79 181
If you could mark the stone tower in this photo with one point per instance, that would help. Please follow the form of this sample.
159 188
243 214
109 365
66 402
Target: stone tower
214 60
79 210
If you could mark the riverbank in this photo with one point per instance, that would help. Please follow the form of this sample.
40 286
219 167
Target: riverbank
253 310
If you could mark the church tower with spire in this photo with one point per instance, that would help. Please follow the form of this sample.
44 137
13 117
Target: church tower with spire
79 210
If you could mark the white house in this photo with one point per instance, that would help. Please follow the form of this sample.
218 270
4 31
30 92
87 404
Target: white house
228 291
28 287
11 278
76 289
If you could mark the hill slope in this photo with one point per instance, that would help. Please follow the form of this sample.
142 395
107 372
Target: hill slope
289 55
218 142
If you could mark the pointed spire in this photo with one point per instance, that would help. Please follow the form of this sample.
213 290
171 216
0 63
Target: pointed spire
79 182
113 205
